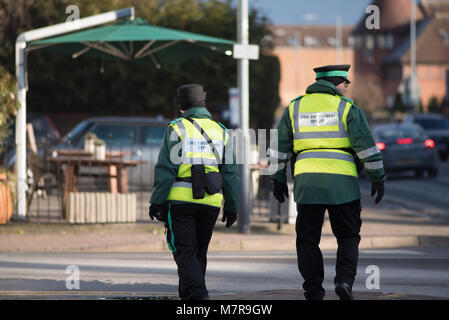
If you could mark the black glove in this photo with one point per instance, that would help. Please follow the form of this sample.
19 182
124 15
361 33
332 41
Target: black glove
280 190
378 187
156 212
230 218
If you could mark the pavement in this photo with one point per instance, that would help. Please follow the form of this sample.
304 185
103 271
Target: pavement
381 228
384 226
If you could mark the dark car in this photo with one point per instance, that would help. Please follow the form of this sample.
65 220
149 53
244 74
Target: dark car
406 147
140 137
436 127
45 133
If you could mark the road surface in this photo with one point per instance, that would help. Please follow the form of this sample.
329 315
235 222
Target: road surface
404 190
420 271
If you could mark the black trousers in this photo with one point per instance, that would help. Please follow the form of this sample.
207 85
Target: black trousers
189 230
346 223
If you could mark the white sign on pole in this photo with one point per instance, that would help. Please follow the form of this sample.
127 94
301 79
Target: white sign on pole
248 51
234 107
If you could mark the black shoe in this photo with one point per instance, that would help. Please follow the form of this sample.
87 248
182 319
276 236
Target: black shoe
343 290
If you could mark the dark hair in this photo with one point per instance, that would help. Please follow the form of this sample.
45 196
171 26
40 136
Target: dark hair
334 80
189 104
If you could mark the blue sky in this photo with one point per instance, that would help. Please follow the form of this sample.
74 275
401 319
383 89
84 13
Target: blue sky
311 11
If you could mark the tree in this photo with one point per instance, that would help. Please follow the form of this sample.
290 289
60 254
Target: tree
8 104
61 84
434 105
398 104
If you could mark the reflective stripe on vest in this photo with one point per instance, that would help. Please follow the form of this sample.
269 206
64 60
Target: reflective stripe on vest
182 191
196 150
326 161
319 121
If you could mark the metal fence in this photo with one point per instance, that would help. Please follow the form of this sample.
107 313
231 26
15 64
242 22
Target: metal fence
48 190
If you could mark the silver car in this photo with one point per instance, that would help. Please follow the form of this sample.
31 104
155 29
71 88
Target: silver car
436 127
406 147
139 137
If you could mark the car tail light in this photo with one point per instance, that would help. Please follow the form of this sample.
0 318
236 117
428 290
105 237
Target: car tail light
404 141
381 146
429 143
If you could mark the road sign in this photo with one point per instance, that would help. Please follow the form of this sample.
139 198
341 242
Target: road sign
250 51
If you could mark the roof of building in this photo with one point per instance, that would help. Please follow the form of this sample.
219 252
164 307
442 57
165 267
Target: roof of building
438 8
432 45
309 35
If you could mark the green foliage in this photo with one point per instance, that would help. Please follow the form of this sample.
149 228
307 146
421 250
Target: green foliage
8 103
435 105
59 83
398 104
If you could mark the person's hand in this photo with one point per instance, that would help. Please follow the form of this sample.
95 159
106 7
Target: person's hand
379 188
230 218
280 190
156 212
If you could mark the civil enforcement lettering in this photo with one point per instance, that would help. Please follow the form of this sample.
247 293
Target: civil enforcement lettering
201 145
318 119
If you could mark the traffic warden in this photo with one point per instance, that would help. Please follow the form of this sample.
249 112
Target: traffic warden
329 139
196 170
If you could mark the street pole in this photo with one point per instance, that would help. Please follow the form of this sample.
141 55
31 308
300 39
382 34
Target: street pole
21 73
339 39
413 76
243 85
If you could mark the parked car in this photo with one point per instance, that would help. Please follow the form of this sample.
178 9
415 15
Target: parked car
139 137
436 127
406 147
45 133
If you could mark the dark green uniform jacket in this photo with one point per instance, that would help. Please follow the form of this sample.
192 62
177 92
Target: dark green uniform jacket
323 188
166 172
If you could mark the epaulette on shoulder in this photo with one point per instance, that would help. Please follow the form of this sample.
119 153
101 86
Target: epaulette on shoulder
175 121
349 100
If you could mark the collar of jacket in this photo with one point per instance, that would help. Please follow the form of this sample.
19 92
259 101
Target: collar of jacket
197 112
323 86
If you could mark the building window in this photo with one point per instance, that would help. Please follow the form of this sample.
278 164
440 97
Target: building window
359 42
381 42
444 36
369 42
311 41
279 32
292 41
332 41
351 42
389 41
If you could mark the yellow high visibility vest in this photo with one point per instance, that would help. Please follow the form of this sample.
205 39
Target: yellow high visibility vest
319 130
196 150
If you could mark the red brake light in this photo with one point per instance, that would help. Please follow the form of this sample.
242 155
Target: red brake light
381 146
405 141
429 143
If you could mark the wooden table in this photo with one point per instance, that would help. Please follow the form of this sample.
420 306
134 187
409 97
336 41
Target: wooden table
116 171
83 153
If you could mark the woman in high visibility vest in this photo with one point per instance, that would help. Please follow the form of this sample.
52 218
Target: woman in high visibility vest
195 172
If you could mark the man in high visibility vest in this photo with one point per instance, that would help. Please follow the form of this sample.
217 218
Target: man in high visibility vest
196 170
329 137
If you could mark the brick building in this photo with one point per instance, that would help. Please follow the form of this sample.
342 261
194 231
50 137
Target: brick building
300 48
380 58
